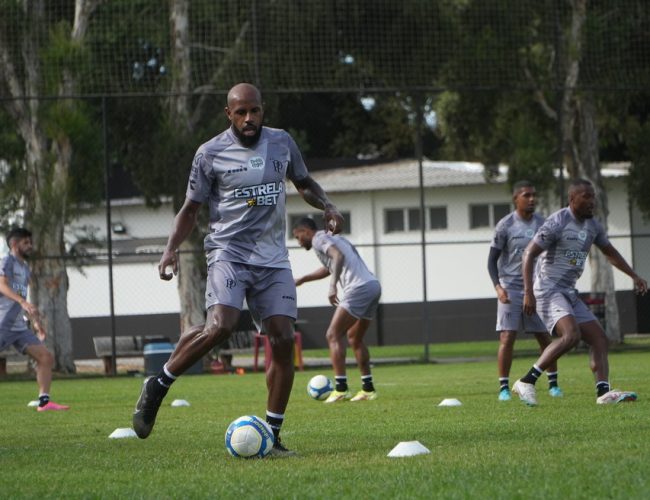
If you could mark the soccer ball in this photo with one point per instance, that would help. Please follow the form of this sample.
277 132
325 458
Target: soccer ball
249 437
319 387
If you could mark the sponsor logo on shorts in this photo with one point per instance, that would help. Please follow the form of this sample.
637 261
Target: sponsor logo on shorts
260 194
230 283
289 297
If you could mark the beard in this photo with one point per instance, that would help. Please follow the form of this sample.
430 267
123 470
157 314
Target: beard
248 140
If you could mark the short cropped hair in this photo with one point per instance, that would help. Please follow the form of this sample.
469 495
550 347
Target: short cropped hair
578 183
520 185
17 233
306 222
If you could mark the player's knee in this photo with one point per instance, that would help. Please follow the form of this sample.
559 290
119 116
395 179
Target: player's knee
332 336
45 359
507 338
216 334
282 345
571 339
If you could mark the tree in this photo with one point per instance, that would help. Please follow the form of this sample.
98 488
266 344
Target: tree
557 70
48 135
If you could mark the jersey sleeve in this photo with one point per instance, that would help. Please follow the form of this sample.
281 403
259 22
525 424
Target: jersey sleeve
548 233
600 240
322 241
500 237
5 267
200 183
297 170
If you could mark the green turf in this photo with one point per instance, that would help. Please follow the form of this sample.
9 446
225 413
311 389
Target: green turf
568 448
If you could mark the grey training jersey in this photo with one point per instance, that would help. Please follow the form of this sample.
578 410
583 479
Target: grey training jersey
245 190
566 242
17 273
355 273
512 234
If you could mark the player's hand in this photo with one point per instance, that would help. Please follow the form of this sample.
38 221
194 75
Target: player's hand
502 295
640 286
169 258
29 308
334 221
298 281
332 296
530 304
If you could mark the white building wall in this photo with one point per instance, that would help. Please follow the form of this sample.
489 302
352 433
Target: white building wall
456 262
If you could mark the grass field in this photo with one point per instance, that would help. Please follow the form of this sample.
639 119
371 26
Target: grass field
568 448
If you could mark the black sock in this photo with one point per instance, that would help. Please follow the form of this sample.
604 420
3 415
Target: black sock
366 383
275 422
552 379
532 375
602 387
165 378
43 399
341 383
504 383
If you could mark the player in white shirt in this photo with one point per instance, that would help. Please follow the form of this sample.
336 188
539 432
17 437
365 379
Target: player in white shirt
354 309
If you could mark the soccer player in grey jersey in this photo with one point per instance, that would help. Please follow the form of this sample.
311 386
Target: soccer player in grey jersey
511 236
241 175
354 311
562 245
14 329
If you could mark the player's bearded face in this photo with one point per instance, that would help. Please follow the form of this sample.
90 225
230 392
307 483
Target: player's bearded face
248 135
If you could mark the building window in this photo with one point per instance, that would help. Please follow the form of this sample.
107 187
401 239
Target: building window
398 220
318 219
394 220
437 217
487 214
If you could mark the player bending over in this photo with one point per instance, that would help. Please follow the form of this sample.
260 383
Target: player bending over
355 310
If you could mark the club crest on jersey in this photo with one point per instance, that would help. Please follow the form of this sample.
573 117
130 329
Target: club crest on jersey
256 163
530 233
582 235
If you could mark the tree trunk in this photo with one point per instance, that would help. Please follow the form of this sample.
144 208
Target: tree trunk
602 274
191 282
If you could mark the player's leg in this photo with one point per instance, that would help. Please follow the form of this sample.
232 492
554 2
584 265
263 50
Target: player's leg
191 347
544 339
279 377
341 322
272 300
556 312
27 343
504 362
356 335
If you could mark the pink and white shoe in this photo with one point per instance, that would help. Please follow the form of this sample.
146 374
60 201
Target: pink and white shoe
52 406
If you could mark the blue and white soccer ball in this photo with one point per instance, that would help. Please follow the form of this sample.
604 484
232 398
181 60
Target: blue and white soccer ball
319 387
249 437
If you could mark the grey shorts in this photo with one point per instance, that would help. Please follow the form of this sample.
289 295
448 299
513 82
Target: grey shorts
511 316
268 291
556 304
20 339
361 302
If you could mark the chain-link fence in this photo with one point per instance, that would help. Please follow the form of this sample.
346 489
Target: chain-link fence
406 113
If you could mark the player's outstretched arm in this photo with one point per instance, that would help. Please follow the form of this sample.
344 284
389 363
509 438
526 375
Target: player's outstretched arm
318 274
617 260
527 264
181 229
314 194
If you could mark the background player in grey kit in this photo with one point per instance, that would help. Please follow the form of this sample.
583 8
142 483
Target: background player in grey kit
14 330
355 310
511 236
241 174
562 245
